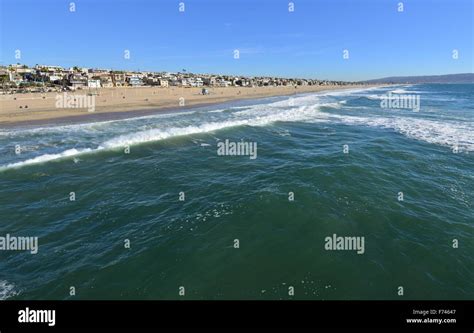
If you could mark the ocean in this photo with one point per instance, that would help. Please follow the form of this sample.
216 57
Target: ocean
148 208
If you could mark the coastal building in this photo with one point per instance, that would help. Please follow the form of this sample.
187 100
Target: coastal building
77 84
118 79
16 77
93 83
174 83
151 80
49 68
163 82
222 83
195 82
135 81
23 70
56 77
209 81
106 82
185 82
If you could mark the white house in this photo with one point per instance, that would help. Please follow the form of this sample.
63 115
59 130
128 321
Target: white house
93 83
163 82
54 78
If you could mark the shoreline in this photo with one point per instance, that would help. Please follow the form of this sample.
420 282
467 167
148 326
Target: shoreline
123 103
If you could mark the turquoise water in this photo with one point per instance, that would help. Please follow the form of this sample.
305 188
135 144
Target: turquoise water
427 155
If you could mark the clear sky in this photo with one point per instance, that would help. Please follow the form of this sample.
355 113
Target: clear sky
308 42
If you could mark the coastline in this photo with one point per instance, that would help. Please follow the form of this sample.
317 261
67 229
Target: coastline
122 103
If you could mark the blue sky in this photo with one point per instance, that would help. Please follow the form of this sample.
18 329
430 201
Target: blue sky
308 42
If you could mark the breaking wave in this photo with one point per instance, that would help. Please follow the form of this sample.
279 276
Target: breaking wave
7 290
110 135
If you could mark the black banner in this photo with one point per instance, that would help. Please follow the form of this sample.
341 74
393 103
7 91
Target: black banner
442 316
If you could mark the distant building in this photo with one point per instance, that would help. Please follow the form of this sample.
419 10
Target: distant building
106 83
222 83
93 83
185 82
23 70
174 83
196 82
78 78
163 82
77 84
118 79
55 78
209 81
49 68
135 81
16 77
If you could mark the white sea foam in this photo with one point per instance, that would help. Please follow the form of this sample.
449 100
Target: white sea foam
333 105
47 158
450 134
374 97
280 106
155 134
217 111
87 127
347 92
401 91
304 108
299 114
7 290
161 134
102 125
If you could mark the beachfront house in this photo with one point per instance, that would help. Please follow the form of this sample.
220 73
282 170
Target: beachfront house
93 83
238 82
77 84
174 82
209 81
55 78
118 79
185 82
163 82
106 82
99 78
150 80
222 83
196 82
76 81
16 77
135 81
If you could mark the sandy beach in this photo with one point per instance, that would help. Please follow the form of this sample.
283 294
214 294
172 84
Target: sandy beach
38 108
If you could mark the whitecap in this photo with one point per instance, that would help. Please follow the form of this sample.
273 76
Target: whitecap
7 290
48 157
445 133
